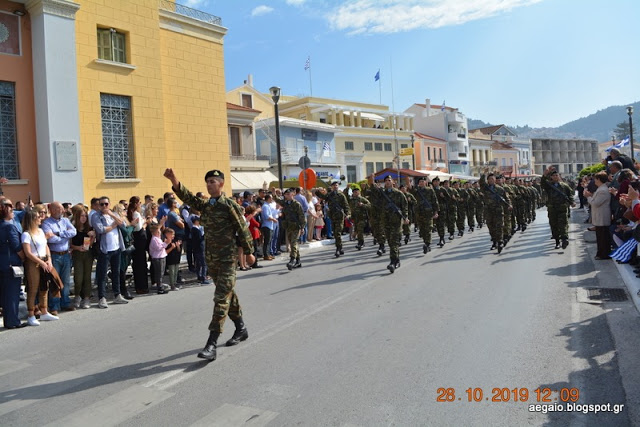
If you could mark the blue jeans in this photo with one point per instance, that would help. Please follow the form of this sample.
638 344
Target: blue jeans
104 260
62 264
275 239
327 222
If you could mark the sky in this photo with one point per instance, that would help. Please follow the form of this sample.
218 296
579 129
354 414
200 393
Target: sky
518 62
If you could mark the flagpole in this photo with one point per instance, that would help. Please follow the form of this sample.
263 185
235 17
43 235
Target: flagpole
310 86
393 110
380 88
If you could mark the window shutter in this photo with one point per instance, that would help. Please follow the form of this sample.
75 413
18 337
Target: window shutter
119 52
104 44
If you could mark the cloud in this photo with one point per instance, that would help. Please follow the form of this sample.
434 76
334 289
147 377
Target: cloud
392 16
261 10
295 2
193 3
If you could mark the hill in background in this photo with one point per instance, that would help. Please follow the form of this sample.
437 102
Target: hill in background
597 126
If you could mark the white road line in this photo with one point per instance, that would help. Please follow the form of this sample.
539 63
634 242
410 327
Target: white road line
233 415
9 366
39 390
114 409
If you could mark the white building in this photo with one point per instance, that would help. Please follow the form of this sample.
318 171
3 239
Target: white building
500 133
448 124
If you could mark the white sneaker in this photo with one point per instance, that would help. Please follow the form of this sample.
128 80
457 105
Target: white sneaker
103 303
78 301
86 303
165 287
48 316
32 321
120 300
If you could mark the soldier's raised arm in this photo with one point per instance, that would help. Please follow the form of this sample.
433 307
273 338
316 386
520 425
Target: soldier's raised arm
182 192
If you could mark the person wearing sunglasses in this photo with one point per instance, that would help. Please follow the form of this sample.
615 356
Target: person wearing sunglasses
11 254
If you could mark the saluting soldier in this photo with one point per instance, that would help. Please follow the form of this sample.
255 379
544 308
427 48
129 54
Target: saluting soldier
507 224
559 198
360 208
443 212
411 203
224 230
293 222
338 211
461 206
426 210
496 204
394 211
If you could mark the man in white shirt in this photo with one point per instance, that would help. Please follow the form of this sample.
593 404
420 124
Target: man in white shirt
110 246
269 223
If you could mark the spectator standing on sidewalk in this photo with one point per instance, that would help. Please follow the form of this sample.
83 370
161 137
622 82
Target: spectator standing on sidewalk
59 231
601 214
81 256
110 246
269 223
11 254
197 243
139 255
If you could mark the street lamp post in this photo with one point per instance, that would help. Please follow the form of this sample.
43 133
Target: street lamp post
275 95
630 113
413 154
613 140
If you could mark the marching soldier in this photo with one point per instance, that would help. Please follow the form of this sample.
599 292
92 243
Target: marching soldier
479 204
411 202
520 202
507 224
559 198
452 207
225 230
293 222
394 210
427 208
443 212
471 205
338 211
496 204
461 206
360 207
375 219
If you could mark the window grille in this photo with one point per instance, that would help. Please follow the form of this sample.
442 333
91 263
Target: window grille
117 136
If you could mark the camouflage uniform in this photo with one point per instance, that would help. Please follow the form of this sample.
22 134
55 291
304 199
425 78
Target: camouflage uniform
392 213
426 206
360 208
471 207
559 198
375 219
520 203
338 211
461 208
224 231
406 228
293 222
452 210
479 205
495 202
443 201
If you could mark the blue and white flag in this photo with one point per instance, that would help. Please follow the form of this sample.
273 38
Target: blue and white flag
326 149
623 143
307 64
623 253
377 76
443 106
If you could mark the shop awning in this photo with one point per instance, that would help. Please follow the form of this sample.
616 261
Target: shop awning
250 180
372 116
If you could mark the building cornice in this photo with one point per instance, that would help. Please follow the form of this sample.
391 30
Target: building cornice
62 8
182 24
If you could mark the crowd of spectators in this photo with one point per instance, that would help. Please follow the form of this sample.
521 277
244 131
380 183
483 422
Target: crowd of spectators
51 250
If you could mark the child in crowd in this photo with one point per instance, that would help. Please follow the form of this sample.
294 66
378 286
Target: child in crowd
197 243
173 257
157 250
319 222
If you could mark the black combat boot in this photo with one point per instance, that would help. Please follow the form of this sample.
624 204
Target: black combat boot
426 248
495 244
451 236
524 227
341 251
337 252
380 250
392 266
297 264
499 247
505 241
290 263
441 242
565 243
209 351
406 239
518 228
557 243
240 334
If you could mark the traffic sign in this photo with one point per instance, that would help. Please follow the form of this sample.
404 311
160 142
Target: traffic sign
406 151
310 176
304 162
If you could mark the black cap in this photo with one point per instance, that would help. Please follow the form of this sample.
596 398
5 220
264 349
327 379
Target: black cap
248 193
214 173
422 178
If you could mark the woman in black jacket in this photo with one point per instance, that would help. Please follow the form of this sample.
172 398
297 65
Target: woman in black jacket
10 255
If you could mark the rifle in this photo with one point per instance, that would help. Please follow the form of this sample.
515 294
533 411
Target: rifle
392 205
499 197
557 190
425 202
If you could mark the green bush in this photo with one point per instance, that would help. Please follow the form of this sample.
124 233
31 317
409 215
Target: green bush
591 169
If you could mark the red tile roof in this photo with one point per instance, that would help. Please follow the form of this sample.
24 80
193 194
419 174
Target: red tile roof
489 130
429 137
501 146
231 106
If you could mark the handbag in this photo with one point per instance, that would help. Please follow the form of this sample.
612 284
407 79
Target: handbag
17 271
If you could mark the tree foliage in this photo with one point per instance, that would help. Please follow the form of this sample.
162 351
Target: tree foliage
591 169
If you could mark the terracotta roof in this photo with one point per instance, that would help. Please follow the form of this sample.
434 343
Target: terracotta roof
423 136
436 107
489 130
501 146
231 106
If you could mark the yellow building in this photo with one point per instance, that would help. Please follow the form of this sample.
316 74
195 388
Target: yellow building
123 89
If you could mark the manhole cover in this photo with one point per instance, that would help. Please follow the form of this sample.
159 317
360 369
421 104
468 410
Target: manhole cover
607 294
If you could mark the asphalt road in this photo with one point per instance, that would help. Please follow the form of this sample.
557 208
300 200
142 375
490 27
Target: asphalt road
341 342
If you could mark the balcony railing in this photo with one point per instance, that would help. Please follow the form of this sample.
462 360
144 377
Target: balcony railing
249 157
174 7
492 163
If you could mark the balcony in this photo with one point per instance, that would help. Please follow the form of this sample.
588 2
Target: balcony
455 117
250 162
291 156
171 6
456 137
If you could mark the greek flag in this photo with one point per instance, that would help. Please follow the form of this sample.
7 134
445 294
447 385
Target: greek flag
623 253
326 149
307 64
623 143
443 106
377 76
